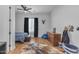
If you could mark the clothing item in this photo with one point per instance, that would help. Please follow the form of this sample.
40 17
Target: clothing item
65 37
68 48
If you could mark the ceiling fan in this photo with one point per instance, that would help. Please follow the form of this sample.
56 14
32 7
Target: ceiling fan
24 8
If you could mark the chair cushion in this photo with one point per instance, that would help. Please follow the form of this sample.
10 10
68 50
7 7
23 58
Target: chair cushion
69 51
70 47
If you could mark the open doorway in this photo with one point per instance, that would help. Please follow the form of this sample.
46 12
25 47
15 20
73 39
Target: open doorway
31 26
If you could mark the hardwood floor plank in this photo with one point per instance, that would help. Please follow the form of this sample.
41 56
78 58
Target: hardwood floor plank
21 46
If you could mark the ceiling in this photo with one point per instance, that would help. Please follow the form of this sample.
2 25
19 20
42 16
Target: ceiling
38 8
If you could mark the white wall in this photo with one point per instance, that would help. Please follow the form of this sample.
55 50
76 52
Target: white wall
66 15
43 28
12 40
4 25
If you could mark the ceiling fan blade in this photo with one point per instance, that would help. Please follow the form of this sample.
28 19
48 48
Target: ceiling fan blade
25 8
19 9
28 9
22 6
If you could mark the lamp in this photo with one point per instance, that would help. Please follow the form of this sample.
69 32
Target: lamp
25 11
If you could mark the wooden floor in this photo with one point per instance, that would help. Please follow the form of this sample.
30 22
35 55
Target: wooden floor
20 46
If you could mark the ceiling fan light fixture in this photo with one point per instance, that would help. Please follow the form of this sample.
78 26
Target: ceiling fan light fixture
25 11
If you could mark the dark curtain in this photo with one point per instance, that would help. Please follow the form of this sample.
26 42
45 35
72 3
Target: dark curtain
65 37
35 27
26 25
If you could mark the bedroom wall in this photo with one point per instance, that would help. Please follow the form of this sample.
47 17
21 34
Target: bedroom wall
43 28
66 15
4 24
